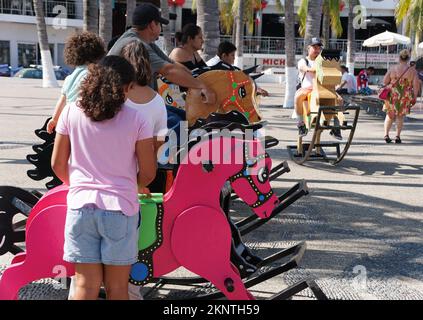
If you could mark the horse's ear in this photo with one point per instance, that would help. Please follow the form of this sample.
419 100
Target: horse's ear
251 70
208 166
256 76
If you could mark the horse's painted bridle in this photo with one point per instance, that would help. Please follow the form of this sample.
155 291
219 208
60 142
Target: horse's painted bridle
262 176
238 90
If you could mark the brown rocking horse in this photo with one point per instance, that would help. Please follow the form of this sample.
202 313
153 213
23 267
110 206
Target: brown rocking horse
323 106
235 90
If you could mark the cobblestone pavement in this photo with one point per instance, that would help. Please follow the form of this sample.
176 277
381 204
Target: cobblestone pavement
362 220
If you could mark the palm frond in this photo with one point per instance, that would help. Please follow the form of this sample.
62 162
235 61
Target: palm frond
302 16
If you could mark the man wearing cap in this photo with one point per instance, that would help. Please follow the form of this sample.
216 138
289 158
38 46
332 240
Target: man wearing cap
146 27
307 72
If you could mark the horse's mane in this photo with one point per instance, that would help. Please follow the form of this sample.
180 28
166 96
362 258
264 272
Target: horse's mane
232 120
331 54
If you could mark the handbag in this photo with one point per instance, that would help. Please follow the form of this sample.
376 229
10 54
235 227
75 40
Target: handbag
385 91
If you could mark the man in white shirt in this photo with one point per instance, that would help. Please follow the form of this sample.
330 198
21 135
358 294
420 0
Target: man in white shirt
307 72
348 83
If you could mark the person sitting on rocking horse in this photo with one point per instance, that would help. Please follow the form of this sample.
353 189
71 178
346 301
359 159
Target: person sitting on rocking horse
307 72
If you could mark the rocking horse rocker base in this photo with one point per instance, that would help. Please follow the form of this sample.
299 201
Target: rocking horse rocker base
295 253
315 149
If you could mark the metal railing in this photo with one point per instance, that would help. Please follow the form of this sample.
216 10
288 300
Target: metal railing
72 8
273 45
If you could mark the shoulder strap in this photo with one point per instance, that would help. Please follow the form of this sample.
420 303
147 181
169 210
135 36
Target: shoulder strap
306 60
401 76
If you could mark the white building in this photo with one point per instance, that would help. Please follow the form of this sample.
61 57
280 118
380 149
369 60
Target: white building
18 30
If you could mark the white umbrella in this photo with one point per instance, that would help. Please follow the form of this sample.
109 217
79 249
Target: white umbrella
387 39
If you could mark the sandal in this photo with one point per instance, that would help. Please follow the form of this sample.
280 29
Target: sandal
398 139
387 139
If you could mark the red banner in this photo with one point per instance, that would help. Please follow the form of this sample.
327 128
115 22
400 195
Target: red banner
179 3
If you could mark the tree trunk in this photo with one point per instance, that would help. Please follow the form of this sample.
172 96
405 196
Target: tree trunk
49 78
106 20
90 15
313 22
208 21
326 26
415 51
130 7
291 73
239 40
351 36
167 45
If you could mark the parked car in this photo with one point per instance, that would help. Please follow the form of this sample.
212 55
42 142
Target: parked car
37 73
5 70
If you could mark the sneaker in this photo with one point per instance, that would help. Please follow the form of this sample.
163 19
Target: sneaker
336 133
302 130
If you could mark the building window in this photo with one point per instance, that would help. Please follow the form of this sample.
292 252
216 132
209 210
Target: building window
5 52
27 54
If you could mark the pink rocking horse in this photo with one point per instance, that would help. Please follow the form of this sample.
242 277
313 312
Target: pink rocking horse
193 230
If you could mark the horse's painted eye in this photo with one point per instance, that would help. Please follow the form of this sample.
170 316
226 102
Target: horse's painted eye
242 92
263 175
169 99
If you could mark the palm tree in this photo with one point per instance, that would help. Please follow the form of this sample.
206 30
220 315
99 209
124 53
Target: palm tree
239 37
235 15
105 20
208 21
351 35
412 11
290 67
90 15
130 7
331 20
168 46
311 12
49 78
229 8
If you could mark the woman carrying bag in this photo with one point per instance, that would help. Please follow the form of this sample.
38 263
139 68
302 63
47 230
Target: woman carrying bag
401 89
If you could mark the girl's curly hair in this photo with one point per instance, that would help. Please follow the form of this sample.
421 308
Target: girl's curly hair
138 56
83 48
102 91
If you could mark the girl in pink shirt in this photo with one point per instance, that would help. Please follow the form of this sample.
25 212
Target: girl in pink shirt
99 146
